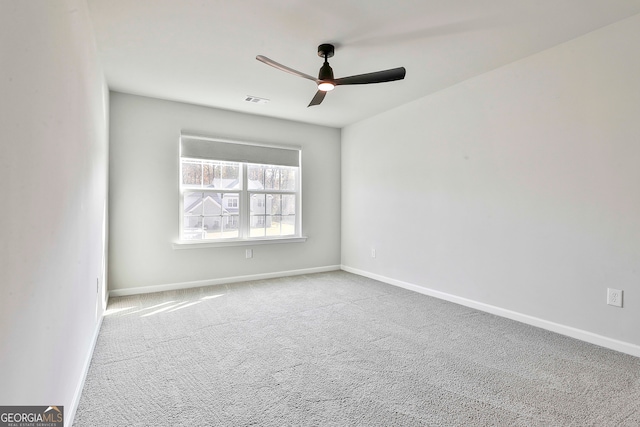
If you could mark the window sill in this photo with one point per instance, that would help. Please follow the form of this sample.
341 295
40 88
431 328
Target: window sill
201 244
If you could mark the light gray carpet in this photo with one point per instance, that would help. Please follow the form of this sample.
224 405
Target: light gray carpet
336 349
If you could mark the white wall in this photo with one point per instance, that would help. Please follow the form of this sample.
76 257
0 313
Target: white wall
53 169
144 195
519 189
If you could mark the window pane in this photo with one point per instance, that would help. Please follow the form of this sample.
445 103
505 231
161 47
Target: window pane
273 214
257 225
288 206
288 225
212 204
271 178
211 223
222 227
192 228
288 179
226 176
266 177
210 215
211 174
255 177
231 202
282 204
193 203
191 172
233 222
274 229
259 204
276 204
258 210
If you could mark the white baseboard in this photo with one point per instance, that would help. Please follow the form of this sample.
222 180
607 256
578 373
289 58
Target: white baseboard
70 414
572 332
212 282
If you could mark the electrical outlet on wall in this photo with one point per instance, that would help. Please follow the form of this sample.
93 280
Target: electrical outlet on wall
614 297
248 253
373 253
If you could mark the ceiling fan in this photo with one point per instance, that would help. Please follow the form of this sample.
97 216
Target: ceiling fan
327 82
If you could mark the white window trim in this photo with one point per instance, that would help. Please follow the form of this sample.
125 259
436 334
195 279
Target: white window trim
201 244
243 204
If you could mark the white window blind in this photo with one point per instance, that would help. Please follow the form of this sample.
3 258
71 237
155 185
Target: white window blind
196 147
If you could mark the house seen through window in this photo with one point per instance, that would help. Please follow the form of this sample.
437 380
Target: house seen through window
223 198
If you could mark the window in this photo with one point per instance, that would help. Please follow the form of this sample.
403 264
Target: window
235 191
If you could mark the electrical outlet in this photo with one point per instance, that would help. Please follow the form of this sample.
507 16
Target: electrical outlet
249 253
614 297
373 253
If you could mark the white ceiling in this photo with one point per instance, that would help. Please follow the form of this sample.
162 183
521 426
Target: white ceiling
203 51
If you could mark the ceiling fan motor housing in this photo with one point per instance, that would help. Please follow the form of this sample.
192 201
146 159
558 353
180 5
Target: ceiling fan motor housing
326 73
326 50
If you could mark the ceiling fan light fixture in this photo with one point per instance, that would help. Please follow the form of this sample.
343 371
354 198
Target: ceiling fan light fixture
326 86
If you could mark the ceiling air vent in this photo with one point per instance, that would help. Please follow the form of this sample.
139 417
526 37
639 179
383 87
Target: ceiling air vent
256 100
